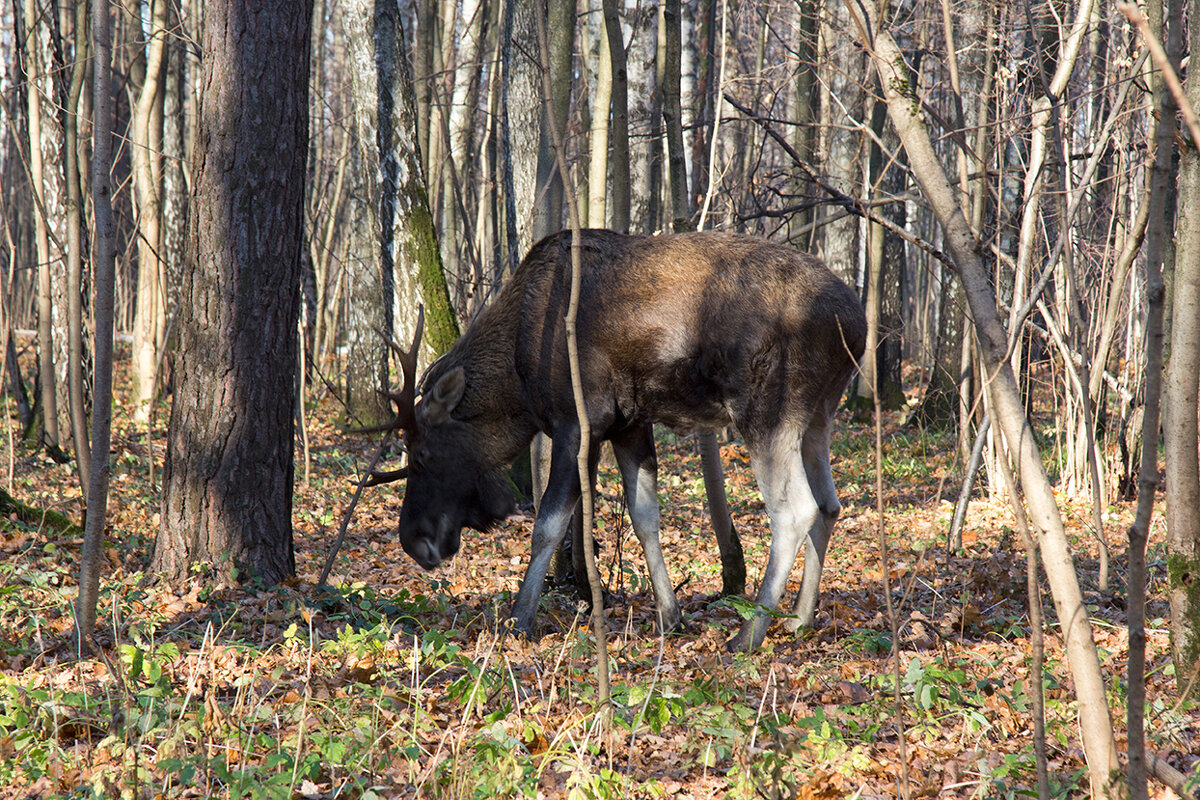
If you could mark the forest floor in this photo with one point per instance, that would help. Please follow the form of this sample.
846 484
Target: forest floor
397 683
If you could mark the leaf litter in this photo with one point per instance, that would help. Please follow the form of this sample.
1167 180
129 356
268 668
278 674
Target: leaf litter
398 682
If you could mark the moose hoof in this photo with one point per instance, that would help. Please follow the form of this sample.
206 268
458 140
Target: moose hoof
748 638
668 627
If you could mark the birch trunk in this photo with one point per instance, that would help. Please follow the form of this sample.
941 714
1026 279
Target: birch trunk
146 134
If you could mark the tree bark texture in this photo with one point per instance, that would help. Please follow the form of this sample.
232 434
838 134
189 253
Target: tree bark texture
1181 427
641 20
619 132
77 391
227 493
522 108
146 135
549 200
47 179
410 264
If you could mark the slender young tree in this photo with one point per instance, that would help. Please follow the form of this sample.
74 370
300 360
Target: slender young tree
75 248
103 268
227 482
597 184
1095 720
46 182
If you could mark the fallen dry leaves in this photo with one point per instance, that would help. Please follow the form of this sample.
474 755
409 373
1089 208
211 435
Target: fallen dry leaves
438 702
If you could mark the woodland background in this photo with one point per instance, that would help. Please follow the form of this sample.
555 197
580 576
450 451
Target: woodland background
959 163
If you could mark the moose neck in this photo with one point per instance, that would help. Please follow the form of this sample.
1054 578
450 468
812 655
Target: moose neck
492 400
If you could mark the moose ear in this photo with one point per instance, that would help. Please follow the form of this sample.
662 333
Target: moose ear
444 396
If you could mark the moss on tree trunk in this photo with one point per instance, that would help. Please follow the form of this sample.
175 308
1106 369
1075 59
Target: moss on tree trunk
441 326
1183 587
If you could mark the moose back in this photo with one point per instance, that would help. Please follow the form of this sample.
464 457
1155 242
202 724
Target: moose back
692 330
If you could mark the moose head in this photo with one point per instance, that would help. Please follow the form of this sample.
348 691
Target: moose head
449 486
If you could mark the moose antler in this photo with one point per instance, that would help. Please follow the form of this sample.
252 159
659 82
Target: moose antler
405 399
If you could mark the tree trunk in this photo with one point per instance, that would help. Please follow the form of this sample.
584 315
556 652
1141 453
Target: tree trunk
806 105
103 263
44 157
672 37
1181 427
410 262
75 247
369 309
175 147
597 208
619 132
522 108
885 265
146 128
227 491
1095 722
548 202
1161 174
842 106
641 21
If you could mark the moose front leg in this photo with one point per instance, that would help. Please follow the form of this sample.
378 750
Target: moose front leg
553 517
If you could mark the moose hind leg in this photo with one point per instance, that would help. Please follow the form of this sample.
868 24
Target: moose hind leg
787 492
815 452
639 474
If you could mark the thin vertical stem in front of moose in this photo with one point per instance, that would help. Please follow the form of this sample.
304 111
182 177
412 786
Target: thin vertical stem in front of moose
904 789
599 629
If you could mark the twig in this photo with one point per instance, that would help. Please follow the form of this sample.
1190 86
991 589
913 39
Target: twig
1134 15
362 483
599 626
838 197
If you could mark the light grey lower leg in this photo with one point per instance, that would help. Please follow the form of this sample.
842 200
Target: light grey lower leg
639 474
815 451
554 515
793 510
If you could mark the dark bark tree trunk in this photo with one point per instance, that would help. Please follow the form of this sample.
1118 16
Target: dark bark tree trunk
548 203
227 493
103 263
885 264
75 247
619 132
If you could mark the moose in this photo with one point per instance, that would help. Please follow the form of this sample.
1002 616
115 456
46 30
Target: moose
691 330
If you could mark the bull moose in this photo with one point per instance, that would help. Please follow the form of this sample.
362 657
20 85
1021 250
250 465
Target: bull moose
692 330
